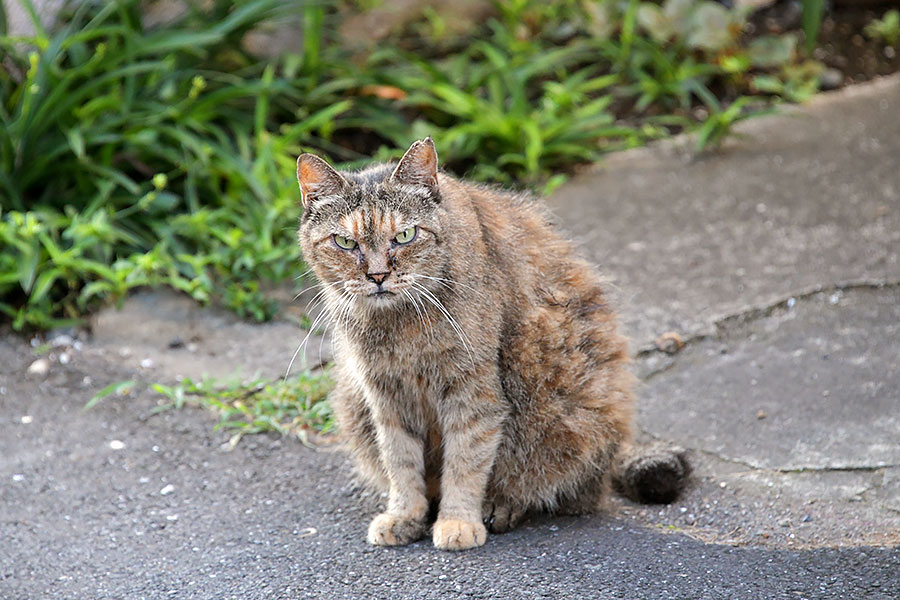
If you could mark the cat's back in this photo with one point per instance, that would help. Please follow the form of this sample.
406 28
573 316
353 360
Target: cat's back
537 259
559 323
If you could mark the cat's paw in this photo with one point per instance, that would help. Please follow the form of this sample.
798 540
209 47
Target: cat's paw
393 530
454 534
500 518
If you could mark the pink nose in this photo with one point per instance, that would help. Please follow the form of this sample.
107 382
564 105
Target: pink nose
377 277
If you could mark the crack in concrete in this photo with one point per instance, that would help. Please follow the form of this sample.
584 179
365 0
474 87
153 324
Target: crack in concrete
794 471
754 313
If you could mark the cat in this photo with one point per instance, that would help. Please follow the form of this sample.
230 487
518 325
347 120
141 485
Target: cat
478 368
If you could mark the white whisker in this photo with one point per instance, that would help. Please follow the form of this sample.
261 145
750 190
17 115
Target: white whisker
463 338
325 313
416 306
448 282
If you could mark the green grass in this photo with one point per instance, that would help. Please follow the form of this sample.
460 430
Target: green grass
294 407
135 157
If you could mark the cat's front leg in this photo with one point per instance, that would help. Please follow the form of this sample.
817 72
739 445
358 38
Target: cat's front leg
402 452
471 425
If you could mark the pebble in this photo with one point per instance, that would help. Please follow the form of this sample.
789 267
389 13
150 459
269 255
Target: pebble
39 367
669 342
27 419
831 79
147 363
18 477
167 490
117 444
62 341
65 358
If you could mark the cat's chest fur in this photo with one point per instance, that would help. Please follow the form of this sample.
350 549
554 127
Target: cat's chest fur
407 358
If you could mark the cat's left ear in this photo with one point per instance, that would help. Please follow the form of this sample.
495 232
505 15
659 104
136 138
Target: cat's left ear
418 166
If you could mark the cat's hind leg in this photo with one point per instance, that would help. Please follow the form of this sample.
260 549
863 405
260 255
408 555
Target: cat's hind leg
501 515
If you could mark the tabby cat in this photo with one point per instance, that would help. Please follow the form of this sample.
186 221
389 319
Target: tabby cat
479 373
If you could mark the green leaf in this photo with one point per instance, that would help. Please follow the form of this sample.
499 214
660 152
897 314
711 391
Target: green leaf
811 21
120 389
76 142
772 50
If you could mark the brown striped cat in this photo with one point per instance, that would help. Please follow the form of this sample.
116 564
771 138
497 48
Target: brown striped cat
479 372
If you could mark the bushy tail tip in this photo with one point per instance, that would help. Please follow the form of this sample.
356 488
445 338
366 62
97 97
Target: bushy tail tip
652 474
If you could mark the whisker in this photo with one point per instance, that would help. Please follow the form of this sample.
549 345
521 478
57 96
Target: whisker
445 282
416 306
303 274
463 338
345 302
312 328
323 285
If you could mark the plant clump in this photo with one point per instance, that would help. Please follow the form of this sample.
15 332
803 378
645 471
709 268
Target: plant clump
138 155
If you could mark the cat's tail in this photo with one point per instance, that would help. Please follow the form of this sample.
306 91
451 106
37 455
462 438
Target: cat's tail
653 474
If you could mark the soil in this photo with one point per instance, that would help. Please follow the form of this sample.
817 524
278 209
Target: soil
843 44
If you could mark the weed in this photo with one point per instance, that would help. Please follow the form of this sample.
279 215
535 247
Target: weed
886 29
142 157
293 407
811 21
720 123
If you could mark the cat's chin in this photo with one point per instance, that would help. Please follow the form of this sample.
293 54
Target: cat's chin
381 299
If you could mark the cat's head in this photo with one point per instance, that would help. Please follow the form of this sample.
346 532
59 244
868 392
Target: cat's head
374 237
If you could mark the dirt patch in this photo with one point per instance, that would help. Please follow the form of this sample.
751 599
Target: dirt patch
843 44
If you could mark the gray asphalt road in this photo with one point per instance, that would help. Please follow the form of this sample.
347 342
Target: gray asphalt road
274 519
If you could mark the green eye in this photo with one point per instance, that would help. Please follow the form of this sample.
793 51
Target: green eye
345 243
406 236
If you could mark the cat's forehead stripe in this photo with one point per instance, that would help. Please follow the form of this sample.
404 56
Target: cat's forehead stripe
370 223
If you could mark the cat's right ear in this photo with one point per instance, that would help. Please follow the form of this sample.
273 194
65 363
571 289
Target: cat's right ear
317 179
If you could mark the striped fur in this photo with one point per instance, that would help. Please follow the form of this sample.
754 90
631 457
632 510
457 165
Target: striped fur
491 379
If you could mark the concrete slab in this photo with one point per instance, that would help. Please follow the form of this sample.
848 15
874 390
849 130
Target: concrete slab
166 336
814 386
788 398
806 198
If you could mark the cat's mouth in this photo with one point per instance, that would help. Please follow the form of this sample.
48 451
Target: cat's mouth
379 294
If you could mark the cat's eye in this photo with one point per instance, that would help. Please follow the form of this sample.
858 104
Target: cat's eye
406 236
345 243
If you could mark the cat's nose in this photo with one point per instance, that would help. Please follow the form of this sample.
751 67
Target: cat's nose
378 277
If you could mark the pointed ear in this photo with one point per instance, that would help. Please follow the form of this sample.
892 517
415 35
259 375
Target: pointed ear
317 179
418 166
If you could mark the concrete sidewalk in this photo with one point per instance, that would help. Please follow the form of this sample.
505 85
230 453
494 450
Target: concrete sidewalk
776 261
